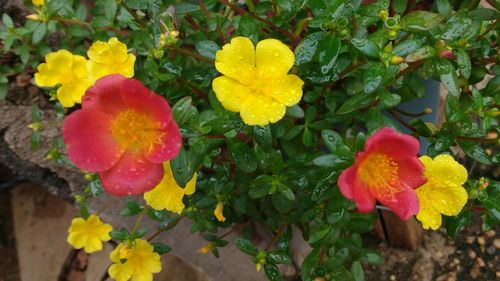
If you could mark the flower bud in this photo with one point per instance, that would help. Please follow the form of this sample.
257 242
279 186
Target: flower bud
445 53
397 60
33 17
383 14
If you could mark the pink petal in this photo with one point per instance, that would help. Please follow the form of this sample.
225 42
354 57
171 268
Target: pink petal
132 175
88 137
141 99
404 204
362 196
388 141
346 180
169 147
411 172
105 95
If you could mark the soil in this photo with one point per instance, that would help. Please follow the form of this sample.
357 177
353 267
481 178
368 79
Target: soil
9 270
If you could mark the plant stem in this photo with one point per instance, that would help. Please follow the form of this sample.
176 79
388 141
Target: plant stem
412 66
139 219
484 140
294 38
168 227
409 113
401 120
275 238
191 54
490 28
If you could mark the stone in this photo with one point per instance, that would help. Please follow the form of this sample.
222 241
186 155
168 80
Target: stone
496 243
474 272
480 262
40 224
472 254
491 250
470 239
393 277
490 233
481 241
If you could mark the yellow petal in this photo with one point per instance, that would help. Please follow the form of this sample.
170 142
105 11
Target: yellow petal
120 271
190 187
56 70
79 67
274 57
448 200
38 2
142 276
429 216
261 110
118 49
230 92
446 168
166 196
94 244
287 90
219 212
114 256
77 240
237 60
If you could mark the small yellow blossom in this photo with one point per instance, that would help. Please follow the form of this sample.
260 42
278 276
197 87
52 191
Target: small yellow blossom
88 233
62 67
218 212
38 3
34 17
207 248
136 262
168 194
255 80
110 57
443 193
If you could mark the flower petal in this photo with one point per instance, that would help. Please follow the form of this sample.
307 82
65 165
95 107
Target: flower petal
411 172
287 90
120 271
428 215
105 95
346 182
169 146
261 110
230 92
237 60
447 169
140 98
89 142
449 200
404 204
396 145
365 202
132 175
166 195
274 57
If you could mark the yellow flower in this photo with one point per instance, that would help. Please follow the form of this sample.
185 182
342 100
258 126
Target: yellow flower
62 67
38 2
88 233
168 194
207 248
218 212
443 193
136 262
110 58
255 82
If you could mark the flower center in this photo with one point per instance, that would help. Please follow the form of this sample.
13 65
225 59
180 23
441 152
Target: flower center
380 172
136 131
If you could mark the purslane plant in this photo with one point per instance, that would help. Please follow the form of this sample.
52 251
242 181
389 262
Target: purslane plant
284 114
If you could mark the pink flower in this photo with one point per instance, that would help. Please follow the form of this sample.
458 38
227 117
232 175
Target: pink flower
388 170
124 132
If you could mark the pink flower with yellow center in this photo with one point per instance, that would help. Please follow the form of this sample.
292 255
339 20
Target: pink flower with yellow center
388 170
124 132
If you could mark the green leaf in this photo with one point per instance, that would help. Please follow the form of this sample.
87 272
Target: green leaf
7 21
456 29
357 101
263 136
464 63
24 53
373 77
475 151
420 21
119 235
246 246
330 160
295 111
329 48
272 272
260 186
374 259
182 109
367 47
389 99
243 156
408 46
39 33
131 208
454 224
309 264
484 14
182 168
448 76
341 274
140 232
278 257
357 271
81 12
318 233
207 48
444 7
281 203
331 139
161 248
307 47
